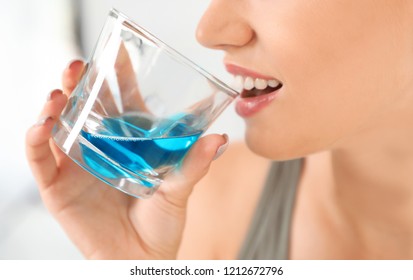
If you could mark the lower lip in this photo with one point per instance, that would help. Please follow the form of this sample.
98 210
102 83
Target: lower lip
246 107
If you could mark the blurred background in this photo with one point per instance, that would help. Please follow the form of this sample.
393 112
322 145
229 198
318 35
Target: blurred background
38 39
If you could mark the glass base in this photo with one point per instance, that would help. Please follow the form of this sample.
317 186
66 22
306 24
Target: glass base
94 161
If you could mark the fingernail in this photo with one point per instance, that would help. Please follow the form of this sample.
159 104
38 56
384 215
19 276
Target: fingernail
42 120
53 92
222 148
72 63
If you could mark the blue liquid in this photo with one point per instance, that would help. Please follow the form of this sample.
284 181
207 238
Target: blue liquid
137 144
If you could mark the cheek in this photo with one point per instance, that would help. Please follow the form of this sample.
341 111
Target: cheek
338 79
313 113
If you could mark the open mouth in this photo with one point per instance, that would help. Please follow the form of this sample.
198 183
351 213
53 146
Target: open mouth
250 87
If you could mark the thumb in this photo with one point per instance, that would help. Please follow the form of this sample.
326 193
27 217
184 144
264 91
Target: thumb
179 185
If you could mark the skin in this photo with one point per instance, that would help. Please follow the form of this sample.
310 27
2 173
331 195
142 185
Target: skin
345 105
347 96
116 226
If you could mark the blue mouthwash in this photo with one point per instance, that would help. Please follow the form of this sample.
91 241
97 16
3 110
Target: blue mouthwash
136 143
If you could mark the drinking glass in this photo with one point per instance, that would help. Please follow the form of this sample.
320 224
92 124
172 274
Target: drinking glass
138 109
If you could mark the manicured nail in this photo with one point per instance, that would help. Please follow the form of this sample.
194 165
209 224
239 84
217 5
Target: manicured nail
42 120
222 148
72 63
52 93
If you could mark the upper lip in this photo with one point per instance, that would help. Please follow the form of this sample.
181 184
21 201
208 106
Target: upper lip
241 71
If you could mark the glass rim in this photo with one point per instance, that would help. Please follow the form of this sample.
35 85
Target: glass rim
177 55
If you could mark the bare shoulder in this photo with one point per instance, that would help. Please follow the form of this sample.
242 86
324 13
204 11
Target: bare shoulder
223 203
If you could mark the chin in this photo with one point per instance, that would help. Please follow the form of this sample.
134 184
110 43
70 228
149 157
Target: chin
278 148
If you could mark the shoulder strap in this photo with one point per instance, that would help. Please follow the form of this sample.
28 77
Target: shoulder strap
268 236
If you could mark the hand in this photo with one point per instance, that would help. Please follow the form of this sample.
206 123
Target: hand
103 222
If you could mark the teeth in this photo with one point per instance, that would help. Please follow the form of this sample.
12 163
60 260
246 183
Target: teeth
249 83
273 83
238 83
260 84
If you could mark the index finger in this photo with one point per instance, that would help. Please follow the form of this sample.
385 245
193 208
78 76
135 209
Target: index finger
40 156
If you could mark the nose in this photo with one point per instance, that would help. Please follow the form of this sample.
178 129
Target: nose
224 25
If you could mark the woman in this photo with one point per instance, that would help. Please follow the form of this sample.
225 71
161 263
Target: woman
328 104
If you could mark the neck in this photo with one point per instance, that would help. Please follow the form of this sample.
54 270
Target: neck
375 185
371 186
376 174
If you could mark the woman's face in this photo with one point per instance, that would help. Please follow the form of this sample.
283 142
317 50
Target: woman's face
345 66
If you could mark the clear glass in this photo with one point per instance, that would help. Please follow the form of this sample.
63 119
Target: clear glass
138 109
